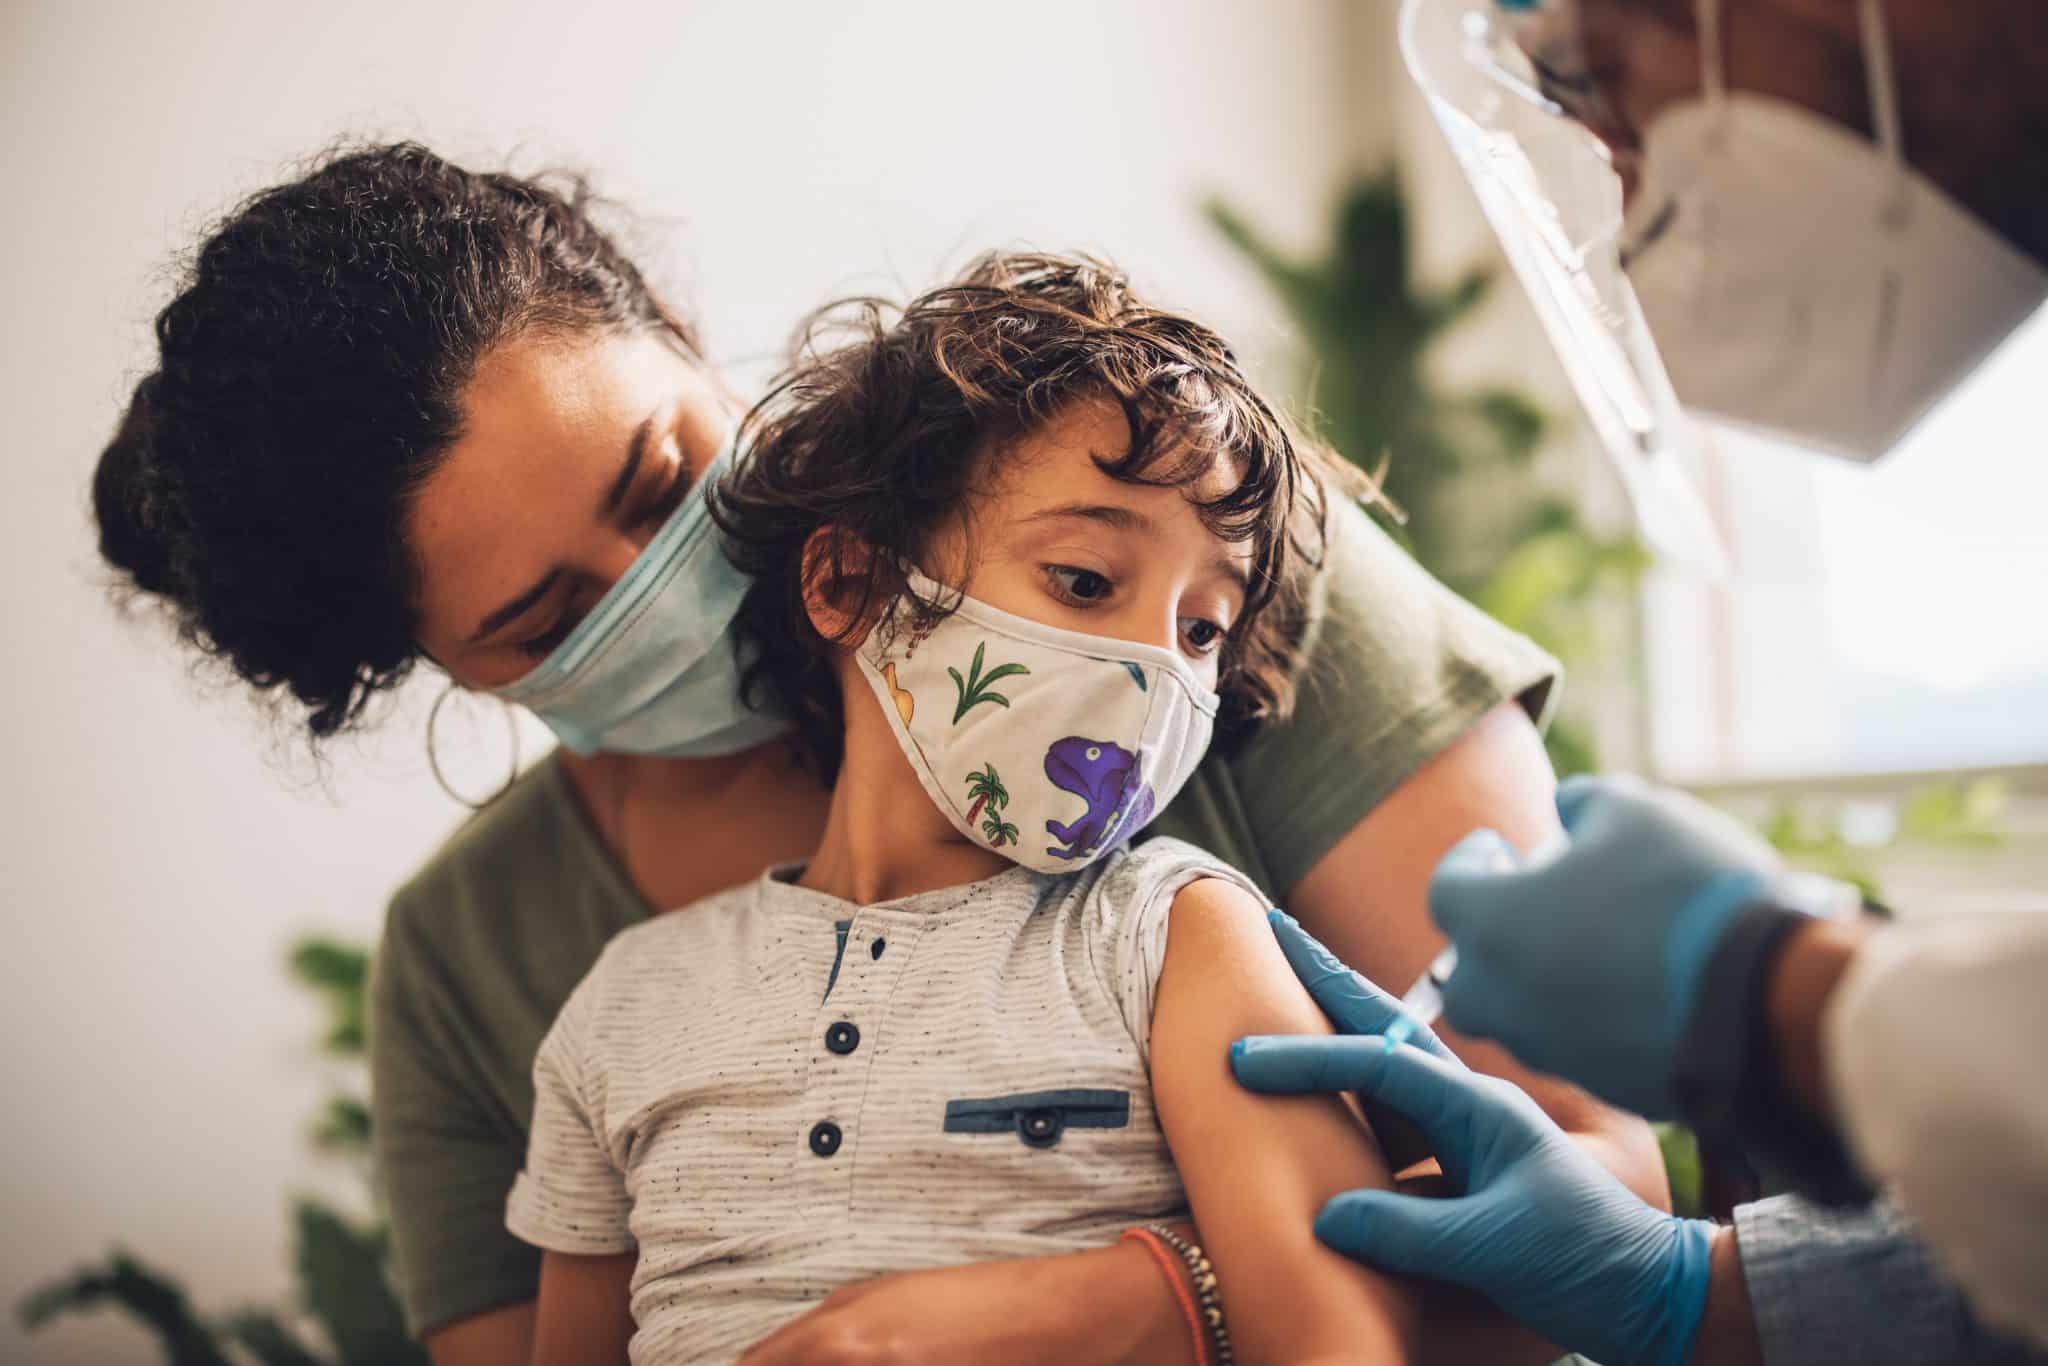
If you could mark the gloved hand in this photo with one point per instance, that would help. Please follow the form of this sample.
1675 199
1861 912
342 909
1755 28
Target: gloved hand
1585 963
1537 1226
1356 1006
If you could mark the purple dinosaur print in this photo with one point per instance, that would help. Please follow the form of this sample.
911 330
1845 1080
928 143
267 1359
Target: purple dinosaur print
1101 774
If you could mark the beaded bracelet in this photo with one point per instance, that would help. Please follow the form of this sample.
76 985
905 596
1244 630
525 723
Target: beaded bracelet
1204 1277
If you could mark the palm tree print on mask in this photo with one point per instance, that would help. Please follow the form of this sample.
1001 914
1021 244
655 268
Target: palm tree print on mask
990 797
974 689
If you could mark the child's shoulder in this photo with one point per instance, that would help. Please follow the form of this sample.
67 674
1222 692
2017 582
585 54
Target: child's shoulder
1144 879
668 937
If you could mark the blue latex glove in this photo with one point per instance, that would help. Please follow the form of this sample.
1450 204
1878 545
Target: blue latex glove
1537 1226
1353 1004
1586 963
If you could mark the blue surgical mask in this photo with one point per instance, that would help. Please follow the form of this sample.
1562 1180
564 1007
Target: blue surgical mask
652 668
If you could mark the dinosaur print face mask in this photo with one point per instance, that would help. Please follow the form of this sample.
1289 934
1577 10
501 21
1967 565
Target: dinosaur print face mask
1049 746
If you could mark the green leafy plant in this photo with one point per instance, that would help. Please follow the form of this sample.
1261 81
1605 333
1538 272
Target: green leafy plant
974 689
348 1315
1458 464
1956 815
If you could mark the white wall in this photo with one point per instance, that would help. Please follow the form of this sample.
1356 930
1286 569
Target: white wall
162 847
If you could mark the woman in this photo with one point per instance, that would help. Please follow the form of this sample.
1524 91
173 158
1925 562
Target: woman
404 411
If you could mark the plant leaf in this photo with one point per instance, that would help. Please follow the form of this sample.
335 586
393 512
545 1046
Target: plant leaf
331 964
344 1126
126 1284
341 1268
268 1340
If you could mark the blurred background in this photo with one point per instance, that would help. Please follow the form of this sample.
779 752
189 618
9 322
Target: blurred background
192 891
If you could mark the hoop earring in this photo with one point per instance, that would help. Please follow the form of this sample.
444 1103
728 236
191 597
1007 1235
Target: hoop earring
434 759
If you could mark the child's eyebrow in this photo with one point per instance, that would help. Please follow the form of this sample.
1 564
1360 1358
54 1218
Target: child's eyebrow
1109 514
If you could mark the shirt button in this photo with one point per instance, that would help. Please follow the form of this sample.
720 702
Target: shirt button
825 1138
842 1037
1040 1128
875 949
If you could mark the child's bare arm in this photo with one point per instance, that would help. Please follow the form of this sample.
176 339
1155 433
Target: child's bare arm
1258 1168
584 1316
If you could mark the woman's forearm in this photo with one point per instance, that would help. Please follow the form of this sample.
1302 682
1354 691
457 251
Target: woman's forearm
1459 1327
1367 900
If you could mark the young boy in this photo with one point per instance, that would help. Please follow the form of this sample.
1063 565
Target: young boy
1015 554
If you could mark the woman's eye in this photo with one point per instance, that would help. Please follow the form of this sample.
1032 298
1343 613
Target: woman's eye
1201 634
664 504
543 645
1077 586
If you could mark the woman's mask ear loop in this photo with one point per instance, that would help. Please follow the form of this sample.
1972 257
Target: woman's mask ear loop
1713 71
1882 85
434 759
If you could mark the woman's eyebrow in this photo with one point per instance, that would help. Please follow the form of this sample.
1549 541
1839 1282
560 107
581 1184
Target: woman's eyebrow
514 608
636 451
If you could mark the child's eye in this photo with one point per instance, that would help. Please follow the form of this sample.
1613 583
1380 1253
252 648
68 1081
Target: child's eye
1078 587
1201 634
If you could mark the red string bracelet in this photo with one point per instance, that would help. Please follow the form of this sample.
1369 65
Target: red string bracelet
1170 1266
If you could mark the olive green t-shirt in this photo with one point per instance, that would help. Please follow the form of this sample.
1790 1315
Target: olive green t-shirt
483 946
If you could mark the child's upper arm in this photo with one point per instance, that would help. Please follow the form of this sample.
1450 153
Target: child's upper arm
1258 1168
570 1200
584 1316
570 1195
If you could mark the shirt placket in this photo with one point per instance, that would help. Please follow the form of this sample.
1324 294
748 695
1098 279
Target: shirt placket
847 1033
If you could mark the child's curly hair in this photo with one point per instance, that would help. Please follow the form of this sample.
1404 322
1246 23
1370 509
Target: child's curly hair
885 419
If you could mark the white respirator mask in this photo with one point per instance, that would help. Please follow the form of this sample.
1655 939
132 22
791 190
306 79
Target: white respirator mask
1773 270
1802 281
1050 747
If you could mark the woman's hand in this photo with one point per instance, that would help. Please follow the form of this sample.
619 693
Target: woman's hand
1103 1306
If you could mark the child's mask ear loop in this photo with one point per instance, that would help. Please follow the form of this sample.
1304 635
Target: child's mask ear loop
434 759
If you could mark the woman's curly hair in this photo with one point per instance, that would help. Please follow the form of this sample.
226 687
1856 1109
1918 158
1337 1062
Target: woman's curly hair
307 382
884 424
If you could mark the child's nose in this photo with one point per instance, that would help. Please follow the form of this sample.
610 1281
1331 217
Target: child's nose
1162 626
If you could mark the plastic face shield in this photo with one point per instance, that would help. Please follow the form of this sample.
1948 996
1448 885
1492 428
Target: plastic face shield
1519 128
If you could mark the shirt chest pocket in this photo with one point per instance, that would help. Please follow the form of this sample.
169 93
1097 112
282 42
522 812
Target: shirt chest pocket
1072 1160
1039 1119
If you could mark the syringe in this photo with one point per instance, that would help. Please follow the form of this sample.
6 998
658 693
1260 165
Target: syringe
1424 1003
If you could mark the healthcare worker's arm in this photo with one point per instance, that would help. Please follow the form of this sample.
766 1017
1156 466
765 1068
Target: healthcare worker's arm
1654 960
1367 899
1931 1054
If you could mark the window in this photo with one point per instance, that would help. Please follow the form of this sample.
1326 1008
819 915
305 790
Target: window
1891 618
